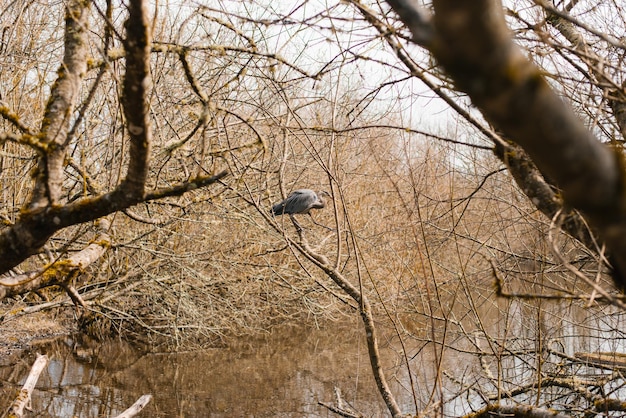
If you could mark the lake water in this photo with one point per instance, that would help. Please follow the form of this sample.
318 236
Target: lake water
284 374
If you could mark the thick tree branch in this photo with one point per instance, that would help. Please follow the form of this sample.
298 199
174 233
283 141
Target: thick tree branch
522 168
545 198
34 228
63 98
474 46
59 271
24 397
137 83
45 215
520 411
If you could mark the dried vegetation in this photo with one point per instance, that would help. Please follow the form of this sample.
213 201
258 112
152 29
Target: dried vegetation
429 224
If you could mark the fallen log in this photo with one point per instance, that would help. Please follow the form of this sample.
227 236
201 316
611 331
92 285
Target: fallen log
136 407
16 410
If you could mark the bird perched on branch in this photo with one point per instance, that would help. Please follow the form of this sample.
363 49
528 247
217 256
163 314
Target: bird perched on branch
300 201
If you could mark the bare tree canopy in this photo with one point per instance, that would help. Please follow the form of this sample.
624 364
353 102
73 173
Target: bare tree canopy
473 44
471 154
49 208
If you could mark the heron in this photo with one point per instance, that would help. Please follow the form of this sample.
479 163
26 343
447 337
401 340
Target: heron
301 201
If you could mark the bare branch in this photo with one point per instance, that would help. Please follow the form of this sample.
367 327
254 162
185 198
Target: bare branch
526 174
367 317
520 411
34 228
14 119
615 93
136 407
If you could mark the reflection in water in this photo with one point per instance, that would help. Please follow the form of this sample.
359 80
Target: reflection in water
283 375
286 373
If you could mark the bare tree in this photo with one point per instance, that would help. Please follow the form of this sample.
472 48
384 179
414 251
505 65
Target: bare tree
138 124
48 208
132 113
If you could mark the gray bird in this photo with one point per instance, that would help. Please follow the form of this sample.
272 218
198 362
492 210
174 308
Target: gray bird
300 201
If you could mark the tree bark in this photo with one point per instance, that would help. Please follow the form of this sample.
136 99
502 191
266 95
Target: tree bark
45 214
63 98
34 228
473 45
59 271
523 170
137 83
520 411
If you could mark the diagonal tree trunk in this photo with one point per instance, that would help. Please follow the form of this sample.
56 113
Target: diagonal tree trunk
61 104
472 43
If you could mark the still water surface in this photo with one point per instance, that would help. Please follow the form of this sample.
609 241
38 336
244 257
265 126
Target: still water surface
288 371
284 374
